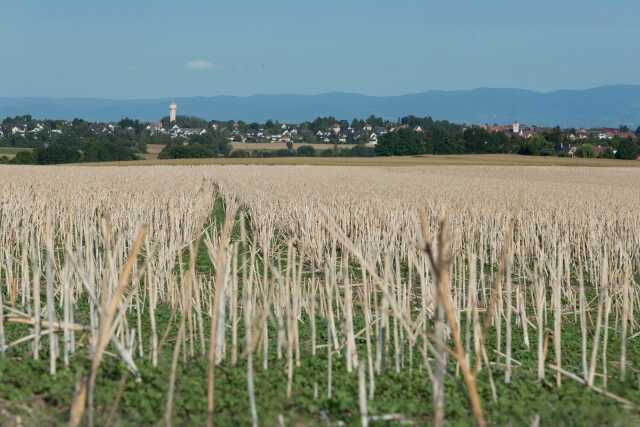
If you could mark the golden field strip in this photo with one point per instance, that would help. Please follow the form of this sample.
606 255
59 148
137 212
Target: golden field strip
386 269
444 160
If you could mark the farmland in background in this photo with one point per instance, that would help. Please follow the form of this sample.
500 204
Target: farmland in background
424 160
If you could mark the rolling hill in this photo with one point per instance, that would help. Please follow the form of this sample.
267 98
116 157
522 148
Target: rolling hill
602 106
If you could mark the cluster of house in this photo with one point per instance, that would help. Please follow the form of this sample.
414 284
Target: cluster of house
515 129
368 134
609 134
36 128
337 134
174 131
285 134
526 132
24 130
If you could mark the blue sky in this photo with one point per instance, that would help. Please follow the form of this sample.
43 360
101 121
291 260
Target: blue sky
160 48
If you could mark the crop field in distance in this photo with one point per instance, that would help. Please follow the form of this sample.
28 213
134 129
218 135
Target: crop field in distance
324 294
421 160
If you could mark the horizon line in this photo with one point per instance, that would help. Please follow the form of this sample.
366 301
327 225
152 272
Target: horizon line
541 92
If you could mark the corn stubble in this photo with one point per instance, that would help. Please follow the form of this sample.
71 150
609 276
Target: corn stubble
432 260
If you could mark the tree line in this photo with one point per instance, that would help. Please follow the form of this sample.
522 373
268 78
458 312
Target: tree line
84 141
442 137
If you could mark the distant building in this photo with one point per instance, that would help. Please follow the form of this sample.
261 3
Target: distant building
173 111
516 128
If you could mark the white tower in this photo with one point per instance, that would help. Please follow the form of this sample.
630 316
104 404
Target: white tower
173 109
516 128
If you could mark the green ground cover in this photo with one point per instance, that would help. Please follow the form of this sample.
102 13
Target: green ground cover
30 394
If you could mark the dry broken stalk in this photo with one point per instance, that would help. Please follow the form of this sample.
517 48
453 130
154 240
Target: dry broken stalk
440 266
106 330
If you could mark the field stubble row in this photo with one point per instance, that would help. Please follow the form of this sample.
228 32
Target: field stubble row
493 278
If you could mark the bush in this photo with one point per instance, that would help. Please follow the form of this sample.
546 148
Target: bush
306 151
404 142
189 151
586 151
215 141
283 152
240 153
536 146
106 151
22 158
628 150
608 154
56 153
327 152
363 151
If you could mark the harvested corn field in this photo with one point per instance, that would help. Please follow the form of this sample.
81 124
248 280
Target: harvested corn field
313 295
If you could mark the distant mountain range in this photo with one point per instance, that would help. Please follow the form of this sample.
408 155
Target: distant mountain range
609 106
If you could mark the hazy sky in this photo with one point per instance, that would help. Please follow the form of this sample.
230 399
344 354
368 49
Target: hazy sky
161 48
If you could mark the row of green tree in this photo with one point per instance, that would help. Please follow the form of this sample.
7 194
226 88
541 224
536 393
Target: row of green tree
444 138
84 141
215 144
210 144
308 151
74 150
447 138
623 149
